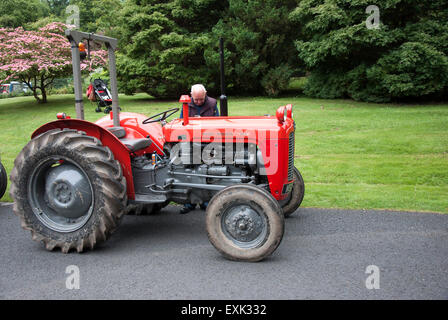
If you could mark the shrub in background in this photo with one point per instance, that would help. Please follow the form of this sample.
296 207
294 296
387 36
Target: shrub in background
405 58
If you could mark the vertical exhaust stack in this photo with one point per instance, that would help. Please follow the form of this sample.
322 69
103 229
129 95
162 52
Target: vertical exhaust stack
223 98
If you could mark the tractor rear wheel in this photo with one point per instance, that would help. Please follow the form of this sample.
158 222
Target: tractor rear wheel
68 190
3 180
296 195
244 223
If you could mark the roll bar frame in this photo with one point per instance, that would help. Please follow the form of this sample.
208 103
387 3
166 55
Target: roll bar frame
75 37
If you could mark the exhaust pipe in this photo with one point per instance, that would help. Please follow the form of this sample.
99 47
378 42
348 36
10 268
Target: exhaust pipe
223 98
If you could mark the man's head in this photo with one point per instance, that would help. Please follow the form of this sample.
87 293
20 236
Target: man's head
198 94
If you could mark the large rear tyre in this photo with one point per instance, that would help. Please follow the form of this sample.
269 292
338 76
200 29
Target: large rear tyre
68 190
3 180
296 195
244 223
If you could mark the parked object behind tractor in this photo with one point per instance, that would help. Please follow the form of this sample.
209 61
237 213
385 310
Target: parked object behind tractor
3 180
75 180
99 93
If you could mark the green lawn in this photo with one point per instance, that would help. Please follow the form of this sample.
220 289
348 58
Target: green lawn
351 155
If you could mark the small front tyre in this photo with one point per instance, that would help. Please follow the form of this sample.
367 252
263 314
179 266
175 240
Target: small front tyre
244 223
296 195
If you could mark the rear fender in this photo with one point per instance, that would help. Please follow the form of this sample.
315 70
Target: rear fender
119 150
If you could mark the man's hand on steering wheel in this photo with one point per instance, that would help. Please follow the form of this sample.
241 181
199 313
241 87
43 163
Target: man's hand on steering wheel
163 116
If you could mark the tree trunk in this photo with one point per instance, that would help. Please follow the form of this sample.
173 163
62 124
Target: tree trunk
31 87
44 95
42 87
43 91
36 96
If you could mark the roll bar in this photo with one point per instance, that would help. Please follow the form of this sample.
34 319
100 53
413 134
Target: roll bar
75 37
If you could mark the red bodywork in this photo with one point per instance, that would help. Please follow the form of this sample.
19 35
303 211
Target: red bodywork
271 137
268 133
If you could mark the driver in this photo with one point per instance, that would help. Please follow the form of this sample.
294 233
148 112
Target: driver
203 106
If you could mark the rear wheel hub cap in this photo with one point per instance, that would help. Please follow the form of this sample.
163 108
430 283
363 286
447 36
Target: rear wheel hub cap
68 191
61 194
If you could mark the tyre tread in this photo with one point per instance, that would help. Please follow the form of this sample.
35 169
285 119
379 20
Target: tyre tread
111 186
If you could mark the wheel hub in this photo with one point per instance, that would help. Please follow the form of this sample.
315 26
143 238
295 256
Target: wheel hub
67 191
243 224
63 193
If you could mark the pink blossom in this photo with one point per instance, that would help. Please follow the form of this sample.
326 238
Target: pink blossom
44 53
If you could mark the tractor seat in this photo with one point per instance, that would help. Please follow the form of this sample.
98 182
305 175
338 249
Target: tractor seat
136 144
119 132
132 144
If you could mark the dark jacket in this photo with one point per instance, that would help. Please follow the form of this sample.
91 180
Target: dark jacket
208 109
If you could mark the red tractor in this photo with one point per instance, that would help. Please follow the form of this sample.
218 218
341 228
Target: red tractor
75 180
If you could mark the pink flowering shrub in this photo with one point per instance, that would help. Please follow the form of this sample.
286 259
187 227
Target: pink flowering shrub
38 57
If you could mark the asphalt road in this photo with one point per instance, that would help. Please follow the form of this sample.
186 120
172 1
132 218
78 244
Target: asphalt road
324 255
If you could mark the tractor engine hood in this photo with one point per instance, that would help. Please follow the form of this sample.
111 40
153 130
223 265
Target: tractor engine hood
228 129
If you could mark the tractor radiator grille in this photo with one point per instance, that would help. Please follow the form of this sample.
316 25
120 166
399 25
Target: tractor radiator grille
291 156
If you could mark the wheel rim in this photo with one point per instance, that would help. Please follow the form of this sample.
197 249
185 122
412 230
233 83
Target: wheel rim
244 226
61 194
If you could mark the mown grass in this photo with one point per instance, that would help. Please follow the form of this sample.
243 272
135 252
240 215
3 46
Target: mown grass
351 155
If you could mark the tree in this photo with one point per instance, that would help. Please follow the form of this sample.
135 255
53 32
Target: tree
98 16
405 58
57 7
259 37
16 13
42 22
39 57
167 46
162 45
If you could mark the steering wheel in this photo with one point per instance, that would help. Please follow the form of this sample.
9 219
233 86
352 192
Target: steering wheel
163 116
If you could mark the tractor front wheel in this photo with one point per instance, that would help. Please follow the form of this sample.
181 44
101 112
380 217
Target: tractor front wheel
68 190
244 223
296 195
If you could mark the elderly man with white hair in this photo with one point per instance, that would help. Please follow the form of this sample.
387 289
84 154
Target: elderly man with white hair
201 104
